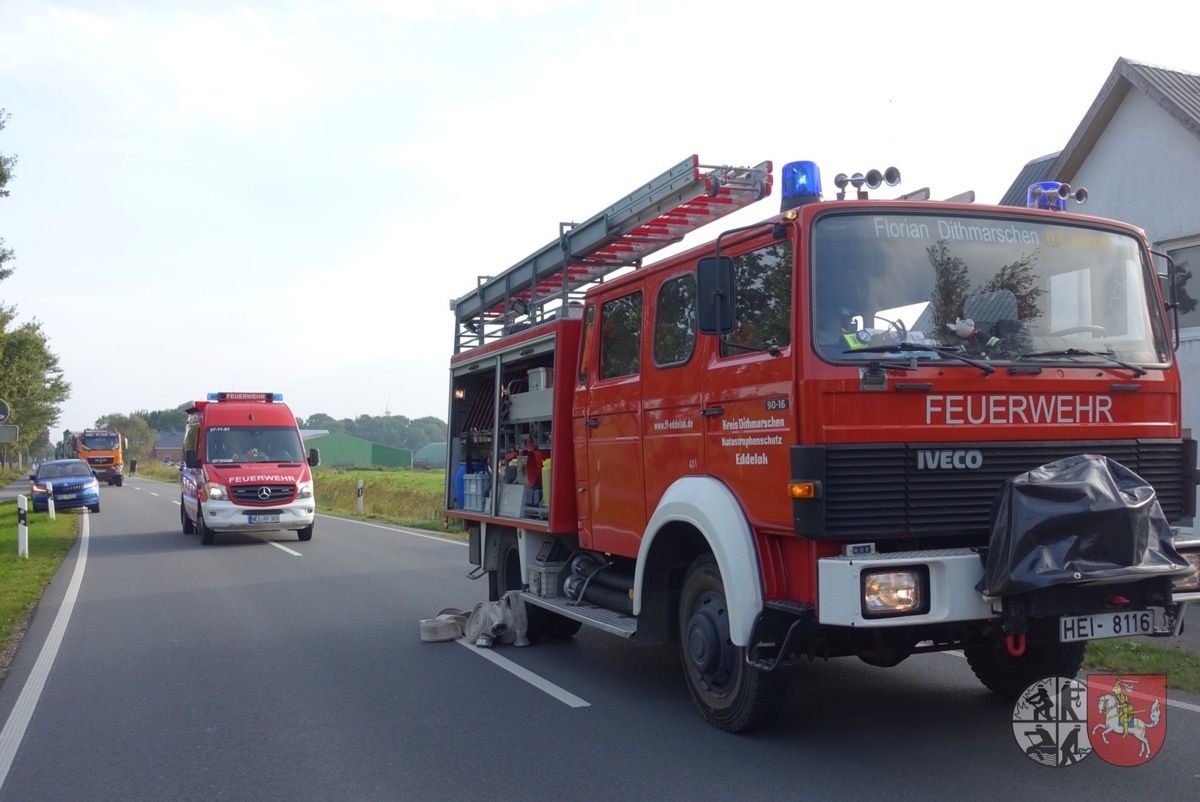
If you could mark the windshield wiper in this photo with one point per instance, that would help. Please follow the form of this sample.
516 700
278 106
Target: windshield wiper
949 353
1110 355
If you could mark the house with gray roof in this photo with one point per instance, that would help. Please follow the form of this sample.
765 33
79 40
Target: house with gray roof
1137 153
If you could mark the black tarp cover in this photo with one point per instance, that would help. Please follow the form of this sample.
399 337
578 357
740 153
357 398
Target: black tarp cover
1081 520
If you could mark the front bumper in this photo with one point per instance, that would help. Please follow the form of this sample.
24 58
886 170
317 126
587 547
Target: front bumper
225 516
84 498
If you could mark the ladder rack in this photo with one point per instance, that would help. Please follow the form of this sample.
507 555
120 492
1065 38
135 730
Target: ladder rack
655 215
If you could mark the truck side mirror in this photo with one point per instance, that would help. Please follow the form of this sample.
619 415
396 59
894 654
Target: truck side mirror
715 288
314 457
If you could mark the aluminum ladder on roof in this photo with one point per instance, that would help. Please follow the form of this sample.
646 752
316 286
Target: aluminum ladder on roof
653 216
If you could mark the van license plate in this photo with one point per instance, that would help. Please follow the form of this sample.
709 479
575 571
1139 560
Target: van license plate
264 519
1105 625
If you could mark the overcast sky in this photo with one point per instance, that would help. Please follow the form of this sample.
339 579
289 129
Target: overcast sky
285 196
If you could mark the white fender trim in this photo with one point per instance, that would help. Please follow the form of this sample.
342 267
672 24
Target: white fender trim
712 509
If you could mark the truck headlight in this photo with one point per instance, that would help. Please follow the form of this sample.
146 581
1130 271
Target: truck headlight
304 489
895 591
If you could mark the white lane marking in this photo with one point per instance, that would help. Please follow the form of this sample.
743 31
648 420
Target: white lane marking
412 532
542 684
22 712
282 547
1170 702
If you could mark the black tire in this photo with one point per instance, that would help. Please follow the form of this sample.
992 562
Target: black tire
305 534
120 481
207 536
1008 676
732 695
542 623
95 507
185 522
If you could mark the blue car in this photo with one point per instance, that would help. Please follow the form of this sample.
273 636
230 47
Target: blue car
71 481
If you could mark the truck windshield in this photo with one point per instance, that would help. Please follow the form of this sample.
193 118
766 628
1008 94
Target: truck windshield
258 444
1032 291
98 442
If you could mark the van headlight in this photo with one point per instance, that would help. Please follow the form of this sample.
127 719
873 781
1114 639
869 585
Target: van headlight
215 492
895 591
304 489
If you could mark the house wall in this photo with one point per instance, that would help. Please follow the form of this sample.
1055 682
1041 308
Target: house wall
1145 169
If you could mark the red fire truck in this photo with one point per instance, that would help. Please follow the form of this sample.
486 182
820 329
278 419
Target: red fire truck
860 427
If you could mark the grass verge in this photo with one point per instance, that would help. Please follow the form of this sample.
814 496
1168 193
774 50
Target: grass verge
23 580
1140 656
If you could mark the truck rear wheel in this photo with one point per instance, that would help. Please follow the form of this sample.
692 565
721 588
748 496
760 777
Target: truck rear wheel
541 622
733 695
1007 676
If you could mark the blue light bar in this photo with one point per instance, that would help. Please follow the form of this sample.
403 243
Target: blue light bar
801 184
1048 195
236 396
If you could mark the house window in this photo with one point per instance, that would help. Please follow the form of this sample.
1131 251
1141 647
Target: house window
1187 267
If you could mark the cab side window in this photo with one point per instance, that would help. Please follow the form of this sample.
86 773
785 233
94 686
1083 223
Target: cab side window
621 336
763 284
675 321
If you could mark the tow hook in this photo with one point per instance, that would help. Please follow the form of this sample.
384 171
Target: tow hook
1015 644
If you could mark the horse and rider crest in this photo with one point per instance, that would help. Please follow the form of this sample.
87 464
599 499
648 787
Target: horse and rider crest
1127 716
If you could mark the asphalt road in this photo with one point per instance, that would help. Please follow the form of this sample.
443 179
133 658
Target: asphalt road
265 668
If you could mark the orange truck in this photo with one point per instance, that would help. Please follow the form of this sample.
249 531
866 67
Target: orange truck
103 450
859 427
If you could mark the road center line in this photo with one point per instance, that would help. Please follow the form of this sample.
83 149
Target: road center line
282 547
542 684
22 712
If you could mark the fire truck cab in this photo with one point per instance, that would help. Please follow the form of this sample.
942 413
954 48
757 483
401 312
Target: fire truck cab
244 468
860 427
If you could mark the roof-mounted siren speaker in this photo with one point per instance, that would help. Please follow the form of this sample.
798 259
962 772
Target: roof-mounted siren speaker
1052 195
876 179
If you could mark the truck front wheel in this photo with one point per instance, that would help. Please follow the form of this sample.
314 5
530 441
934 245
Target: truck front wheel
733 695
1007 676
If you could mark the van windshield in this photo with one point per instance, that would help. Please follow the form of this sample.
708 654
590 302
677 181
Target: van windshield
1032 291
257 444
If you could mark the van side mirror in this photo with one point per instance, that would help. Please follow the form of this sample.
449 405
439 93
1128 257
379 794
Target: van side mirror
715 288
314 457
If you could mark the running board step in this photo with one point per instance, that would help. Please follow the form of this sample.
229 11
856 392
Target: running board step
611 622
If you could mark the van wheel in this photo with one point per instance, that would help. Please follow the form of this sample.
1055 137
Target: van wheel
207 536
541 622
732 695
186 522
306 533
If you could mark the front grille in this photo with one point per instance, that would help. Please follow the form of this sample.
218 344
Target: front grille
879 490
100 460
262 494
